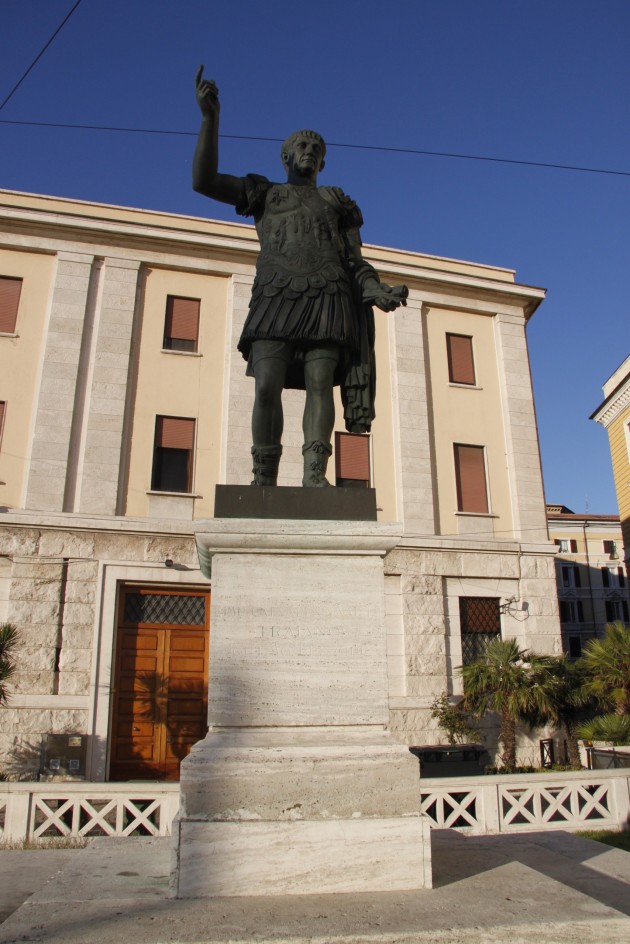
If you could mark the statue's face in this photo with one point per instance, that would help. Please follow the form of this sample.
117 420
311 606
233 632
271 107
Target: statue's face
306 158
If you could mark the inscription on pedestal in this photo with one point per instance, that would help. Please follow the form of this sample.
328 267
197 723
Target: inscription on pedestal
297 640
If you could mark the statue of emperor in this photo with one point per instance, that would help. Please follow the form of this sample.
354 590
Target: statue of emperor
310 324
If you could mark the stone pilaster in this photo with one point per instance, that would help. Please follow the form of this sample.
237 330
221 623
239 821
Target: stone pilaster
71 293
105 412
523 456
411 420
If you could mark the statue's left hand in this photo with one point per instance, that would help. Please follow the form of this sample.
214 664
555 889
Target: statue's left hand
387 297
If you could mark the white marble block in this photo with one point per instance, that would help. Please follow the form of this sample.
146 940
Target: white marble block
297 640
302 858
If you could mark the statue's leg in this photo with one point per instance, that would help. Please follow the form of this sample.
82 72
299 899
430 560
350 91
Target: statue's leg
319 412
269 360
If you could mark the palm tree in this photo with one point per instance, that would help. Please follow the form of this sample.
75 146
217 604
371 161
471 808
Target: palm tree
607 662
570 701
614 728
514 683
8 641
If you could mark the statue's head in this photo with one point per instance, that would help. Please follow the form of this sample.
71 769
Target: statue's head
302 141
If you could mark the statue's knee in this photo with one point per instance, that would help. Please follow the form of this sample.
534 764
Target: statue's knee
320 377
268 387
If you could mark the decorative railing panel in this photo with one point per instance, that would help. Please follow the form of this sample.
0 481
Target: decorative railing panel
494 804
37 812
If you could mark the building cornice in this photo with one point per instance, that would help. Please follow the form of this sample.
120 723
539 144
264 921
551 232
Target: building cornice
159 233
614 405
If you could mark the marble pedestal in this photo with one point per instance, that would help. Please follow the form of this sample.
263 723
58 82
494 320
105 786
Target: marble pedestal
298 788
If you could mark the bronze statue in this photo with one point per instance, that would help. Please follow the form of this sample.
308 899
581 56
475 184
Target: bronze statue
310 324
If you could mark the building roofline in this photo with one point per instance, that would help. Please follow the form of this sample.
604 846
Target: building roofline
596 415
560 516
184 229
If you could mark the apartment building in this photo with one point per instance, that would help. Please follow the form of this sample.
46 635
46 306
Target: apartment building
124 402
590 574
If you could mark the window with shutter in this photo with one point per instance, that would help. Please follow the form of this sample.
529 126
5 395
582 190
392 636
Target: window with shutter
571 577
173 454
571 611
480 624
605 577
470 477
10 290
616 610
461 367
181 325
573 545
352 460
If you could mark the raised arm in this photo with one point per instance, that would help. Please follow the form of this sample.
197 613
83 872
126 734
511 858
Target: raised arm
206 178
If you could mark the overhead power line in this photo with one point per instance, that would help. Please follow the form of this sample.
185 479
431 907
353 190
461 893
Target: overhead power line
39 55
338 144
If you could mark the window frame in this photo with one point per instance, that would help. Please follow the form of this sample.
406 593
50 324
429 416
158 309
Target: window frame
617 609
453 360
458 479
182 345
350 481
160 455
574 610
472 650
570 576
12 309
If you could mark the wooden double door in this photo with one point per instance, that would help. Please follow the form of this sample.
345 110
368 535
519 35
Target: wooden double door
160 695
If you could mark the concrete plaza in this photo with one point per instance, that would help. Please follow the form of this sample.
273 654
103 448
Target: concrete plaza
551 888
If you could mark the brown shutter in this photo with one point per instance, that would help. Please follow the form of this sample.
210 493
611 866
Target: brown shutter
470 473
461 368
9 300
2 406
174 432
352 456
182 318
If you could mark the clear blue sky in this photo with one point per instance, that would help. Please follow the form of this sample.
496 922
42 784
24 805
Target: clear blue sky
533 80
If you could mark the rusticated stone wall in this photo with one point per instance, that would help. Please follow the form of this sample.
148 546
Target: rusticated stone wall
50 594
431 580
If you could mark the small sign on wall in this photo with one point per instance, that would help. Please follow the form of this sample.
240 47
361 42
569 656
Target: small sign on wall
63 756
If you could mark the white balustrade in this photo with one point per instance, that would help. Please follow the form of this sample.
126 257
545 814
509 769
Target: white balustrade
575 800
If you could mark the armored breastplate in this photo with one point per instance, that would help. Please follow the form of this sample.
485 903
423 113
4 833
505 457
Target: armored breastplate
301 246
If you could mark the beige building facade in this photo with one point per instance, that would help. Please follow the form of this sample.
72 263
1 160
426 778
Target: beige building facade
124 403
614 415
